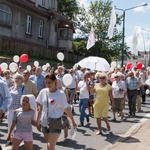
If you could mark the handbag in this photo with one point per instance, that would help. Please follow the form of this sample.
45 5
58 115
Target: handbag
53 123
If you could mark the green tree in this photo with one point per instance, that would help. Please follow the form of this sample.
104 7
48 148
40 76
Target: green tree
68 8
98 16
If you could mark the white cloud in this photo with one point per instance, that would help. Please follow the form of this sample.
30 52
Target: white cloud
142 8
139 9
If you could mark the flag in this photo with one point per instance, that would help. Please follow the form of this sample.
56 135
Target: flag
91 39
136 34
112 23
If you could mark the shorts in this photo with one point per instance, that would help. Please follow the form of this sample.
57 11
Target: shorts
45 130
24 136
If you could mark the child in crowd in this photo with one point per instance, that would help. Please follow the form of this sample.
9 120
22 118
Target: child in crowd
24 118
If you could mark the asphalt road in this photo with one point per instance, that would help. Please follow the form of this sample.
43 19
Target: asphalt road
86 138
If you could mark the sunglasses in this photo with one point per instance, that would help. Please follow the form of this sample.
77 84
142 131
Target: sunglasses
17 78
115 77
102 77
5 74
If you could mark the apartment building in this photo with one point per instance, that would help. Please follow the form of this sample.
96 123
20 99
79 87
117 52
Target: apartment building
34 27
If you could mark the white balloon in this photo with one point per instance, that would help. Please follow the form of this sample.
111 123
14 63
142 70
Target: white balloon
60 56
28 67
36 63
147 82
13 67
16 58
147 91
67 79
113 64
111 69
44 67
118 66
47 65
4 66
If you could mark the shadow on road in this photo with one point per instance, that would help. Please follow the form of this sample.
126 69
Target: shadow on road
70 143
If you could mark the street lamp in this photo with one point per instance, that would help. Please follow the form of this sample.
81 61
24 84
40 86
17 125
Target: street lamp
123 32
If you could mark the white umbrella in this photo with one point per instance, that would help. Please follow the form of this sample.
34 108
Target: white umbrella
94 63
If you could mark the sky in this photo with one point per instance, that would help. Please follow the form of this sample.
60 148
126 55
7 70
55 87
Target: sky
135 17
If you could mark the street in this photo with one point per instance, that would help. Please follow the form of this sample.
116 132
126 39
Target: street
86 138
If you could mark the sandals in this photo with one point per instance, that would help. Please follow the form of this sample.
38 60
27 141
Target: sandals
99 133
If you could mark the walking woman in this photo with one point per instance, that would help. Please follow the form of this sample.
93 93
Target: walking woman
103 95
16 92
52 103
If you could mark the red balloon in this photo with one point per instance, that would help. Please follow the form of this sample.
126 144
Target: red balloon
139 65
24 58
129 65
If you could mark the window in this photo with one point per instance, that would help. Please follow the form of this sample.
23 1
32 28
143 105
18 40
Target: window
28 29
62 33
5 15
52 4
42 3
41 28
70 34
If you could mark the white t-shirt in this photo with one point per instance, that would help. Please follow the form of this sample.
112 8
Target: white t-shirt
57 103
73 83
83 90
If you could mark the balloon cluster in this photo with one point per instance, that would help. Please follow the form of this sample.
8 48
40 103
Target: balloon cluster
139 65
23 58
13 66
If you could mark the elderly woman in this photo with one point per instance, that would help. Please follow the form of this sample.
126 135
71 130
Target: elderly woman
16 92
7 78
118 90
103 95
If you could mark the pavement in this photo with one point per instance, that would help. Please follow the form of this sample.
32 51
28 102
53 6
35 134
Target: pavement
137 138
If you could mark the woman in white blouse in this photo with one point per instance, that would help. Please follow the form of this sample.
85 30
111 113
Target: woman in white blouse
118 91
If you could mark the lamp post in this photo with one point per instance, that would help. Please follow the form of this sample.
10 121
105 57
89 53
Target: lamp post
123 32
149 54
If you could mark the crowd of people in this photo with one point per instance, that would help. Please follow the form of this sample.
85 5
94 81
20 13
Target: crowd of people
33 97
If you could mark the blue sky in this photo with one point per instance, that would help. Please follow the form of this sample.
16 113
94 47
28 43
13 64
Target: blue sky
135 17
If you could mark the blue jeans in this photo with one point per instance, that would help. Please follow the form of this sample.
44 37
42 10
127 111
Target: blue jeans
83 103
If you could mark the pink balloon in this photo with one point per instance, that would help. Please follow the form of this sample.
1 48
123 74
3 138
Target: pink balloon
24 58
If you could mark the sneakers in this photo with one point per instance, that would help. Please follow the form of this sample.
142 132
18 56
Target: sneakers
81 124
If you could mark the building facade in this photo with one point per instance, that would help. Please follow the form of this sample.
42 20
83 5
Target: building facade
34 27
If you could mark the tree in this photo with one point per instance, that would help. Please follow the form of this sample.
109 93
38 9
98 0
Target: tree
68 8
98 16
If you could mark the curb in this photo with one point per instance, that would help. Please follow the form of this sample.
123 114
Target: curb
133 130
